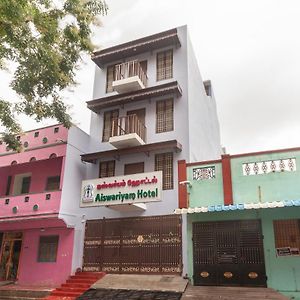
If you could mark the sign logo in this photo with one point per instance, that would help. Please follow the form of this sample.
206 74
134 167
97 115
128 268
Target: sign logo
88 193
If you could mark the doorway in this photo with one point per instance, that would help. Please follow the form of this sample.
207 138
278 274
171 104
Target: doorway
228 253
10 255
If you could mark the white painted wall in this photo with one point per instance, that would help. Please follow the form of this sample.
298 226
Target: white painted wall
195 127
74 173
203 127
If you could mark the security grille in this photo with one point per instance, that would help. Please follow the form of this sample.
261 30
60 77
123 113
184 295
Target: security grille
228 253
134 245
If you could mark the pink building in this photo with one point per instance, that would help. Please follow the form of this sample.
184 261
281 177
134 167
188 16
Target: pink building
39 221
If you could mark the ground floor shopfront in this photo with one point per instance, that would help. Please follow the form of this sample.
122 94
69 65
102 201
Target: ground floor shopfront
136 245
246 248
36 252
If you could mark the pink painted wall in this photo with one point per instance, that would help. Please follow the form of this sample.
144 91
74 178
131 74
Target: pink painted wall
49 221
50 206
32 272
47 132
39 154
40 171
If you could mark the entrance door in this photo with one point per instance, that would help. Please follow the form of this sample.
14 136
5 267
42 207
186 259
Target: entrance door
150 245
228 253
10 255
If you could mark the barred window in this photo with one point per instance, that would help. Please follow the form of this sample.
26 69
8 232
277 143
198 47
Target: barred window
53 183
107 124
287 233
110 75
107 169
164 65
25 185
48 248
164 115
164 163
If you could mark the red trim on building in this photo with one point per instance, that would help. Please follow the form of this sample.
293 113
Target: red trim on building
182 189
227 181
206 162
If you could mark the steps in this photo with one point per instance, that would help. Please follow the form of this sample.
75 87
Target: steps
75 286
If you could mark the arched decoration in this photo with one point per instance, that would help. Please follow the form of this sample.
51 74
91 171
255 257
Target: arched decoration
13 163
32 159
26 144
45 140
53 155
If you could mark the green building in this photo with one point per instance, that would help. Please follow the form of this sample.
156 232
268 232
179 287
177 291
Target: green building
243 220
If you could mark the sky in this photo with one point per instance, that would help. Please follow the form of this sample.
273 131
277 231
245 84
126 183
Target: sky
250 50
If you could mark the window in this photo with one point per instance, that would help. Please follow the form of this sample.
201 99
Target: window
164 115
25 185
53 183
207 87
287 233
56 129
107 169
48 248
8 184
143 65
134 168
107 124
36 134
164 163
22 184
110 75
164 65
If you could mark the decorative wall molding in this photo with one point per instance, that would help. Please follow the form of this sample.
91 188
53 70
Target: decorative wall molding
270 166
204 173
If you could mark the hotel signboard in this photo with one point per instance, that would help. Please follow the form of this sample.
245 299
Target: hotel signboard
127 189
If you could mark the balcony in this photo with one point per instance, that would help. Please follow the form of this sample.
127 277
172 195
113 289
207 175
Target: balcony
30 204
127 131
128 77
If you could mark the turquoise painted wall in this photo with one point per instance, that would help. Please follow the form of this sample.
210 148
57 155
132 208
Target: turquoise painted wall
275 186
283 272
208 191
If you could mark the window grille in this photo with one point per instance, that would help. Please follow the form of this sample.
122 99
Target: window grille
287 233
107 169
164 163
53 183
25 185
48 248
164 65
164 115
110 75
107 124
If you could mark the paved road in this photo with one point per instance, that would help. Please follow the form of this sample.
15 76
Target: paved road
109 294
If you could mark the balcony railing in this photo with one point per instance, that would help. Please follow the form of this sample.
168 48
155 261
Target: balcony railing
128 124
127 131
129 76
